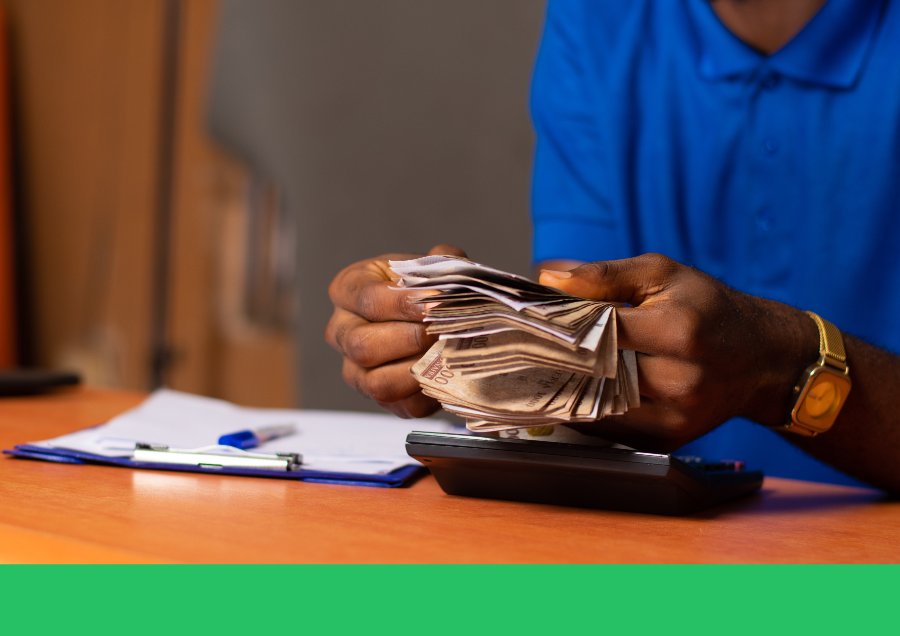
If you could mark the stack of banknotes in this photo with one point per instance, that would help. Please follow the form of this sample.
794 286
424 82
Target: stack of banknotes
514 354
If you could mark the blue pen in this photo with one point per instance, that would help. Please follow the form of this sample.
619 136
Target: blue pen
253 438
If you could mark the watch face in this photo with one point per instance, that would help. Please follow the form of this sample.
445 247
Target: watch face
821 399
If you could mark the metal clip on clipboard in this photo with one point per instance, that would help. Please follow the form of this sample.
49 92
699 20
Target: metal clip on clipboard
208 458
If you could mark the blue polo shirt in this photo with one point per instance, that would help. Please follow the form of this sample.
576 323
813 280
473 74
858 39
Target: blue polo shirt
659 130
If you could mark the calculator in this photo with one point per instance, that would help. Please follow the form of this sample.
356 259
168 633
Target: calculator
586 476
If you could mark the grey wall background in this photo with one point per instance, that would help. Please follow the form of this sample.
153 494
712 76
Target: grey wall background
389 125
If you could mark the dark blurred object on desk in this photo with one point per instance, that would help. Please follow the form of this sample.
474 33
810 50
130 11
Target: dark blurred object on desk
35 381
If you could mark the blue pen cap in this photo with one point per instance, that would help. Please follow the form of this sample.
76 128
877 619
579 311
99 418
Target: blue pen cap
241 439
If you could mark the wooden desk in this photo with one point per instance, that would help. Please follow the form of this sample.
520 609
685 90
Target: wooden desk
62 513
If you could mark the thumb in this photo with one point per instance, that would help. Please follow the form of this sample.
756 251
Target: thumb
630 280
443 249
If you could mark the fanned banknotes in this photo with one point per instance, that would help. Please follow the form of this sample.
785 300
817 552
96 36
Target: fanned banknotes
515 354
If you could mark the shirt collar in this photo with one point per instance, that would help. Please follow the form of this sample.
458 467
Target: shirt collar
829 50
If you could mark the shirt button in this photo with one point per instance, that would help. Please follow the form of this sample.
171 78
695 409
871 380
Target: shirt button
770 146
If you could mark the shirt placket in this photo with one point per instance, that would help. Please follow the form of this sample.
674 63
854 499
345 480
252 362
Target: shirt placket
771 218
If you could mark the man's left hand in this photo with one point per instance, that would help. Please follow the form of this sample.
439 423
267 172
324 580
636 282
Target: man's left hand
706 352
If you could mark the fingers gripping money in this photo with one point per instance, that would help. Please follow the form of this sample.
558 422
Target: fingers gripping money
515 354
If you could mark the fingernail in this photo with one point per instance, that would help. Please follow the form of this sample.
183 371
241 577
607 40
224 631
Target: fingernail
556 274
417 296
416 302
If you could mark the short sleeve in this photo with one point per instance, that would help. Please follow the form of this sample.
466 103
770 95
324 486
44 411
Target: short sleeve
571 216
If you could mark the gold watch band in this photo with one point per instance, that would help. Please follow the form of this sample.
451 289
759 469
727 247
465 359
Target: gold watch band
831 344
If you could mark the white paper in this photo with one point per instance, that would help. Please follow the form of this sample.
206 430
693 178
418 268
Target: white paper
332 441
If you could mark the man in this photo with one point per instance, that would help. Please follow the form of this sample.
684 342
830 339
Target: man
755 140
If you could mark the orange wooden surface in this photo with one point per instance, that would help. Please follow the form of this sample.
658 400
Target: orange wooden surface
62 513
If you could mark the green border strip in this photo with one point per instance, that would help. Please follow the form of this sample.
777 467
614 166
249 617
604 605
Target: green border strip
448 599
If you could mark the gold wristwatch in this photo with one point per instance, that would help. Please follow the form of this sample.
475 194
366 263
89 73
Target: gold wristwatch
823 387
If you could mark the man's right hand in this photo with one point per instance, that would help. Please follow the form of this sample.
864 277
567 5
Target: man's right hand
379 332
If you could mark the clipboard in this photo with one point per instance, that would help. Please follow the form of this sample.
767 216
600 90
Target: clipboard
178 432
402 476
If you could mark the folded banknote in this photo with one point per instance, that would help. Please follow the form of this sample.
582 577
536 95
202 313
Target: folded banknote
515 354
